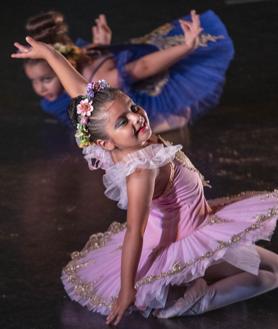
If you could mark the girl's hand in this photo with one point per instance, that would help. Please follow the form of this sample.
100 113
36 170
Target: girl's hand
101 32
124 300
191 30
35 49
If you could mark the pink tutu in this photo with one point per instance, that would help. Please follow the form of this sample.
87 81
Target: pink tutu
182 239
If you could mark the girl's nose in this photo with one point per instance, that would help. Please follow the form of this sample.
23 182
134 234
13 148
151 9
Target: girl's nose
41 87
134 118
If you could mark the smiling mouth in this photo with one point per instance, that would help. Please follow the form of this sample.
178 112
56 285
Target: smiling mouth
142 128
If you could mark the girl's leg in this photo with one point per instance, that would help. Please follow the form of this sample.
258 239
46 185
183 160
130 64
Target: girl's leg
234 288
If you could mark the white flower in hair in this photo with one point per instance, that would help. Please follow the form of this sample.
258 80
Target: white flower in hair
85 107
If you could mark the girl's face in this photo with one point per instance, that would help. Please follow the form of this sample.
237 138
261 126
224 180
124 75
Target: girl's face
44 81
127 124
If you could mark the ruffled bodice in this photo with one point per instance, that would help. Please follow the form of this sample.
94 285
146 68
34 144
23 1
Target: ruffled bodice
150 157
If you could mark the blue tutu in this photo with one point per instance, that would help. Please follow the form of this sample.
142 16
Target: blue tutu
195 82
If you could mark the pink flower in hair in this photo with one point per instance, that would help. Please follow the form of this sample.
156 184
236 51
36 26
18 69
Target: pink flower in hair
85 108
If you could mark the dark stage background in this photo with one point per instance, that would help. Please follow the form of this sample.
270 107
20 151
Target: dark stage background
51 203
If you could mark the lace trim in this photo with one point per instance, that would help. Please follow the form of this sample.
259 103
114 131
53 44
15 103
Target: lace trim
88 290
214 219
99 240
205 38
150 38
159 39
236 238
155 155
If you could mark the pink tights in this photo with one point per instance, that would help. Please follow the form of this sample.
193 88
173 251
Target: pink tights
230 285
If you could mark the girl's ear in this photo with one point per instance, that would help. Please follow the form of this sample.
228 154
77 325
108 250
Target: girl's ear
105 144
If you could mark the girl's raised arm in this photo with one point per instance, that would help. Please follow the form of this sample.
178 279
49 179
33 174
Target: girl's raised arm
161 60
140 189
72 81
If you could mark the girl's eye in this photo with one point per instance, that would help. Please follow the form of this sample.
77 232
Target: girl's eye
122 122
47 79
134 108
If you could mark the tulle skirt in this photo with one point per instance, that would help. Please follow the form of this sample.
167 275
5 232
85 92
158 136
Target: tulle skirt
92 277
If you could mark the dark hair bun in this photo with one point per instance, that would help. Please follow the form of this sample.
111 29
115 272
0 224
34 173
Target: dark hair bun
48 27
72 110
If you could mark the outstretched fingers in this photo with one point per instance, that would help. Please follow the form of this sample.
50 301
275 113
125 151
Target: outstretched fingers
103 33
21 48
33 49
22 51
191 30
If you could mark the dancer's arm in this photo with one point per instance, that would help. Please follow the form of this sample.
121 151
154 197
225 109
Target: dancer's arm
72 81
101 32
140 187
161 60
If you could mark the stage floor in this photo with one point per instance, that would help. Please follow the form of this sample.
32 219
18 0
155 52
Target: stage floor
51 202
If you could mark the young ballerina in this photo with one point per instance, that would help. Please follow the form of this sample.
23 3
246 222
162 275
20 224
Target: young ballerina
54 100
173 91
171 238
51 28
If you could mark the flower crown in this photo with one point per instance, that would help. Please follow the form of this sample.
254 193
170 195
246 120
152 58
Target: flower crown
70 51
84 110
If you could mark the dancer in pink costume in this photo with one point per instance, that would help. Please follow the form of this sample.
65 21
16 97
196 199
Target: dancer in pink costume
172 237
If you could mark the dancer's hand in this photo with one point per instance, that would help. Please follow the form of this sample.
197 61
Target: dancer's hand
124 300
101 32
191 30
34 50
